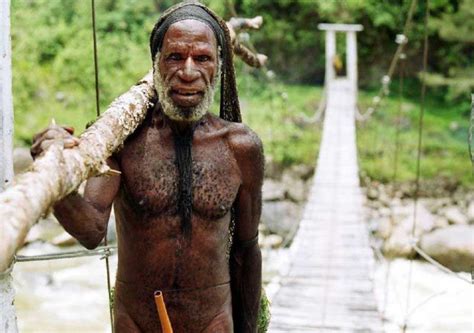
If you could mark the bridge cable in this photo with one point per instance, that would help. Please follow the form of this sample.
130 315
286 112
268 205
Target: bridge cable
97 104
418 157
401 40
471 134
395 164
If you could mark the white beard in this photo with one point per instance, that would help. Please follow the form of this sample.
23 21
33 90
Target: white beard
177 113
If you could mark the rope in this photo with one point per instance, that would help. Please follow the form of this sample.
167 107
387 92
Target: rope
471 133
402 40
395 167
419 152
444 269
97 104
96 62
104 251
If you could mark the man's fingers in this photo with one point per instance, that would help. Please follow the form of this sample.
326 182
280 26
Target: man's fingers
39 146
69 129
45 144
54 133
37 135
71 142
54 128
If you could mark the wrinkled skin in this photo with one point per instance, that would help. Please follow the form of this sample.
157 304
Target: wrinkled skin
153 253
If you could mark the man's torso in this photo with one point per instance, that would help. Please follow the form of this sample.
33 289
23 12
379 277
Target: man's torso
154 254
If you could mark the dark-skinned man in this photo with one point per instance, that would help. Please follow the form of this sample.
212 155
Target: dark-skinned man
188 200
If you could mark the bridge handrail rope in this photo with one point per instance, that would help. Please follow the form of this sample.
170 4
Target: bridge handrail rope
104 251
470 136
402 41
97 105
418 157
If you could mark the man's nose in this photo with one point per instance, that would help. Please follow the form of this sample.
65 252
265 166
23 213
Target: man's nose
189 72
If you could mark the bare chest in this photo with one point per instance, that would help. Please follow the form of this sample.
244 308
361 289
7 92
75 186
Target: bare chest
150 178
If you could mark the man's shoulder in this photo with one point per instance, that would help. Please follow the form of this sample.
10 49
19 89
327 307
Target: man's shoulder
241 138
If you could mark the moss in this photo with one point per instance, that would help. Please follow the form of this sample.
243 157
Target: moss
264 314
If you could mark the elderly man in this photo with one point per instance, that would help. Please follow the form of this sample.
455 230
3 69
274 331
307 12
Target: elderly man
188 200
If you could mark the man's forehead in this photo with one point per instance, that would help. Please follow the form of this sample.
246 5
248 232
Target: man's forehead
191 28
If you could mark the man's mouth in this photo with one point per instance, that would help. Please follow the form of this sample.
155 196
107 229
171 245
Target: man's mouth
186 97
186 92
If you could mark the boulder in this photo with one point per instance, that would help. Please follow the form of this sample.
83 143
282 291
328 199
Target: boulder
280 217
440 222
383 227
272 190
452 246
64 240
45 230
294 187
272 168
21 159
398 244
372 193
272 241
470 212
454 215
302 171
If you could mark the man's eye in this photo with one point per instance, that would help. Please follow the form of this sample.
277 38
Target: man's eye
202 58
174 56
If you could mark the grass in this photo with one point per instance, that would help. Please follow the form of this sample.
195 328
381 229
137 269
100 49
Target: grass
444 155
280 114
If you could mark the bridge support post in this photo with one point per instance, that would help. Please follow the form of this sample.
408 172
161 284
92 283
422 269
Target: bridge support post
351 53
7 293
351 58
330 53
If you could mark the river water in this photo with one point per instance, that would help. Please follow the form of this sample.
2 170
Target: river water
71 295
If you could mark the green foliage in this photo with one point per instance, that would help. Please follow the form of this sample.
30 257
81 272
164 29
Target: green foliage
456 69
293 23
53 59
445 157
279 114
264 314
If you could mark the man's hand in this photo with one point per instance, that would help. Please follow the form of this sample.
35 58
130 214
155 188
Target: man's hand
54 133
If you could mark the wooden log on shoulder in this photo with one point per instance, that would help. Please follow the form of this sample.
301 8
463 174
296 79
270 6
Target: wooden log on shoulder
58 172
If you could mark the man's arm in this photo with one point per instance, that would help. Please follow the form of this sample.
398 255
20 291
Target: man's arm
246 260
86 217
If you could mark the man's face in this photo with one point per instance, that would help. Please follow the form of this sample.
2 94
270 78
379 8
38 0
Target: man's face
186 69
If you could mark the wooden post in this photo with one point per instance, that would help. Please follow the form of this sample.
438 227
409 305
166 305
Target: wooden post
351 58
330 53
7 293
351 54
6 102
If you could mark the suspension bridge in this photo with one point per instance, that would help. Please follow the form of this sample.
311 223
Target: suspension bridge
328 285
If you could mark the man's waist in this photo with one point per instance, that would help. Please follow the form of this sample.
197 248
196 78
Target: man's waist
138 285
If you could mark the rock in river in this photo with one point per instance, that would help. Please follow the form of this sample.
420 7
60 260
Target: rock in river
452 246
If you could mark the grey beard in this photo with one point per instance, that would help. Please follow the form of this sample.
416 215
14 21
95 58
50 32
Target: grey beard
186 114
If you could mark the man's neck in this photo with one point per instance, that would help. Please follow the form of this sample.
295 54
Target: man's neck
181 127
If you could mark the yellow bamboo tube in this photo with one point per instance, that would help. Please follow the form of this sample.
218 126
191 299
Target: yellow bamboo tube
162 313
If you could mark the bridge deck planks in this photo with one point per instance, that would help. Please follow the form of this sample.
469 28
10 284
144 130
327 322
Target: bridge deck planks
328 286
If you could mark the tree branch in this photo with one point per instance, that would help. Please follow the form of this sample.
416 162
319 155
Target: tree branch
58 172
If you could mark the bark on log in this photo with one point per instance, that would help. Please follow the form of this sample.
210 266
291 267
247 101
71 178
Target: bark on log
59 171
